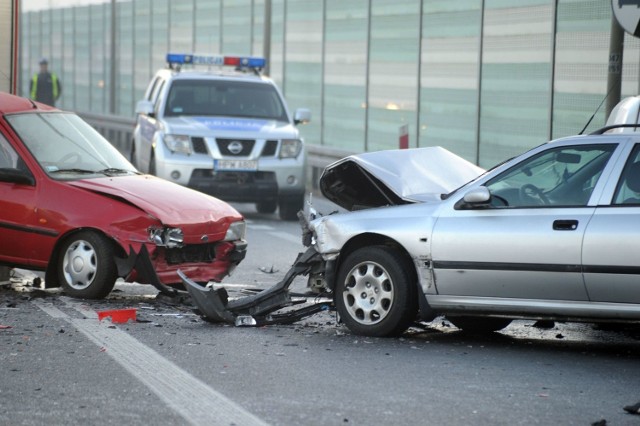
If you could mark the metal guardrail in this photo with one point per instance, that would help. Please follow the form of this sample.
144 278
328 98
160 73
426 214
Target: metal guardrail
119 131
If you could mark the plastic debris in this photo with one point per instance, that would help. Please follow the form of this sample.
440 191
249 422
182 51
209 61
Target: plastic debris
118 316
4 327
633 409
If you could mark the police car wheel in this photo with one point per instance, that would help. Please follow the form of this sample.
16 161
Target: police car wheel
267 207
152 164
133 155
289 207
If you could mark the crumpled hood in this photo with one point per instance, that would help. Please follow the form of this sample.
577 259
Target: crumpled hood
172 204
395 177
233 127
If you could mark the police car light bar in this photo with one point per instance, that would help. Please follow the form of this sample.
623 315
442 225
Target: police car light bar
237 61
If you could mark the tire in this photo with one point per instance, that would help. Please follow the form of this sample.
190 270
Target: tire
479 324
375 293
86 266
152 164
267 206
290 206
132 158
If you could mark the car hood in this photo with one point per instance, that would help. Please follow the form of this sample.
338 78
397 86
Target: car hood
172 204
395 177
237 127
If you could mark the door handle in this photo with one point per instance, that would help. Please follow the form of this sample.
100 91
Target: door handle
565 225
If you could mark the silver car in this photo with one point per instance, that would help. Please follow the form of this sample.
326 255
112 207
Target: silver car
553 233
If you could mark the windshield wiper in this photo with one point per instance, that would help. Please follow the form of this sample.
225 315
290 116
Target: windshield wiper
115 171
82 171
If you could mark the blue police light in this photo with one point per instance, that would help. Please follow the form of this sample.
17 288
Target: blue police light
236 61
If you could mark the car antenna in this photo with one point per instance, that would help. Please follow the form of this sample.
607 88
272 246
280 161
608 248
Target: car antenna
597 109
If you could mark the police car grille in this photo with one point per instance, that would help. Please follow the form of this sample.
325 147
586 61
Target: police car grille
247 146
191 253
269 149
199 145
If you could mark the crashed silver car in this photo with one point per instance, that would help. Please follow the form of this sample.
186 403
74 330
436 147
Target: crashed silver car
550 234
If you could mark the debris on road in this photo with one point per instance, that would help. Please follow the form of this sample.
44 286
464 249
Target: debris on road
633 409
118 316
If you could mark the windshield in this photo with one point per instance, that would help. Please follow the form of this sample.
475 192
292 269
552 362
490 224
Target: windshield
66 147
224 98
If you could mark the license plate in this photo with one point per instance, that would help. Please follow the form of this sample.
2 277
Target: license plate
245 165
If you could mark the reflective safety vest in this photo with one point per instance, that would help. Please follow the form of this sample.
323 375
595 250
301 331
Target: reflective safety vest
54 82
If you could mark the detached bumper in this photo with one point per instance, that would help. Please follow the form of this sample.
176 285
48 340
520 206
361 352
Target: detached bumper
160 268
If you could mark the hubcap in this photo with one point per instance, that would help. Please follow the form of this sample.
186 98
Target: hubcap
80 265
368 293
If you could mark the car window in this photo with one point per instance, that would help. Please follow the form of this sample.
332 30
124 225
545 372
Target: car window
151 93
8 156
628 189
66 147
156 99
564 176
224 98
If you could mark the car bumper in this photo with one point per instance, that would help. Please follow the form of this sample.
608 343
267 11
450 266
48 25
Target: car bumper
201 263
273 179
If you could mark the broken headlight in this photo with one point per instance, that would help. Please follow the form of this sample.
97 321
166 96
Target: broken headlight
236 231
290 148
167 237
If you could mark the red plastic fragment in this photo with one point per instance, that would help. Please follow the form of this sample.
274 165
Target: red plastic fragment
4 327
118 316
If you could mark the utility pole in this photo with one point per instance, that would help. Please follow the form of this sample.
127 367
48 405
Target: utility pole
614 77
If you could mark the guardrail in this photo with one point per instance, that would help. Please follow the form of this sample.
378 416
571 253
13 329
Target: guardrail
119 131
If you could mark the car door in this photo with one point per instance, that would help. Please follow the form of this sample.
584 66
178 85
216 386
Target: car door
611 261
527 242
18 221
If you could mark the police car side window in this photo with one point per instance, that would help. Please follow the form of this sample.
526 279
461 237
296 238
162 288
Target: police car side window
156 101
151 91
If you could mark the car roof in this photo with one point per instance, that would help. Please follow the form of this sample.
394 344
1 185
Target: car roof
11 104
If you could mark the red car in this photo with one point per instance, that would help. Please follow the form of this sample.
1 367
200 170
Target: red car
73 206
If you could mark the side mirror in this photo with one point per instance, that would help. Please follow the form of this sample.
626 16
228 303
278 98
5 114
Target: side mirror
144 107
475 198
16 176
302 116
479 195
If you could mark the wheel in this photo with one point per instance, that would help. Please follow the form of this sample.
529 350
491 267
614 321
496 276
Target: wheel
268 206
290 206
86 267
152 164
532 192
375 293
133 155
479 324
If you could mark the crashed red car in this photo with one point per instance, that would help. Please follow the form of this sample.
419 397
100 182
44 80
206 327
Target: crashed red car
73 206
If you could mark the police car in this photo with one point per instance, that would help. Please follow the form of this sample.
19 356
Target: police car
224 131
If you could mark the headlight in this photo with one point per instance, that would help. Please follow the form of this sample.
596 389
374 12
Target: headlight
178 143
236 231
290 148
166 237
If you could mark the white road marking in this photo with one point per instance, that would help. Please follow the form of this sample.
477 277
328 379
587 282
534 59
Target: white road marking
260 227
192 399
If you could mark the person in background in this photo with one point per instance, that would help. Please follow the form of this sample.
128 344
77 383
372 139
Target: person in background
45 86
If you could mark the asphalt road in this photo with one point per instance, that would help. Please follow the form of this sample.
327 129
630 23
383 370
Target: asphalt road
61 366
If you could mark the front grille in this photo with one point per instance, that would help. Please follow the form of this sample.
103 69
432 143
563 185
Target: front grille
194 253
247 147
199 145
269 149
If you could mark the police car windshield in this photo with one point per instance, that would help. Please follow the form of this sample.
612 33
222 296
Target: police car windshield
224 98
